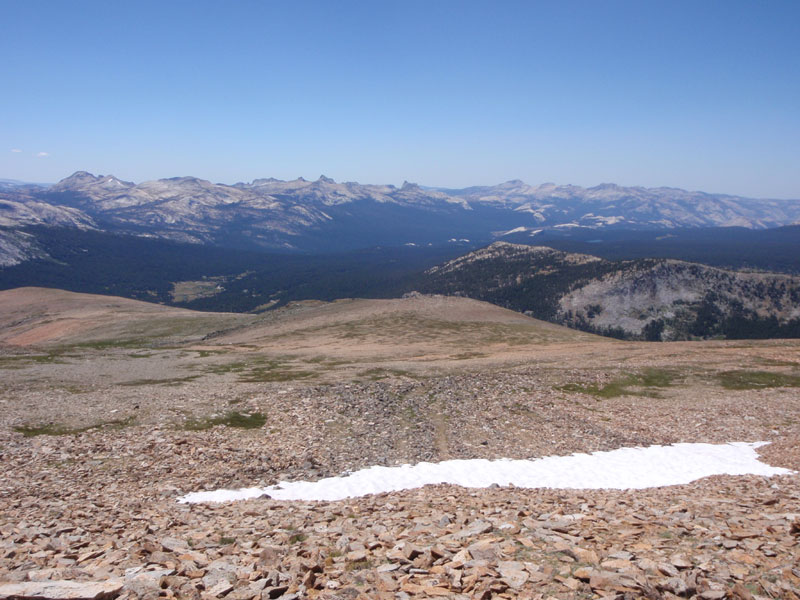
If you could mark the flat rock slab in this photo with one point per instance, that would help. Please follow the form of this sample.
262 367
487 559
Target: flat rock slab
61 590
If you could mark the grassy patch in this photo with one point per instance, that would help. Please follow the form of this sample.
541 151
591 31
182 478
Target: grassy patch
57 429
358 565
378 373
755 380
206 353
654 378
258 370
326 361
47 429
262 374
468 355
229 419
109 344
170 381
230 367
22 360
773 362
517 408
72 388
297 538
636 384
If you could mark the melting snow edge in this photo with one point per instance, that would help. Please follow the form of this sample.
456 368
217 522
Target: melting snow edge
625 468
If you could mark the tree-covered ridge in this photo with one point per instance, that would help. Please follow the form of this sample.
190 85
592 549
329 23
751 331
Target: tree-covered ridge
648 299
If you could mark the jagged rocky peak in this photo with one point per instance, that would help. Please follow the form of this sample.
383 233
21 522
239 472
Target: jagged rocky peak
186 179
112 182
83 179
509 248
507 251
80 178
300 208
261 181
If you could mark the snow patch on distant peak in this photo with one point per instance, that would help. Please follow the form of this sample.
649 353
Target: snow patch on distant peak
515 230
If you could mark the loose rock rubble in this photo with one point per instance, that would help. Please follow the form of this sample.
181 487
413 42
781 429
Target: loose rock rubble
99 509
93 513
723 537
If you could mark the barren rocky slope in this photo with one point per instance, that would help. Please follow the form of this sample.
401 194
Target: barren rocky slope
100 437
34 316
23 210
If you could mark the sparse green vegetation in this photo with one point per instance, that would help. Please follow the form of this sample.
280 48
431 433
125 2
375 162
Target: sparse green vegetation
258 370
47 429
19 361
518 408
206 353
654 378
109 344
772 362
636 384
297 537
754 380
236 419
59 429
468 355
264 374
358 565
378 373
169 381
221 369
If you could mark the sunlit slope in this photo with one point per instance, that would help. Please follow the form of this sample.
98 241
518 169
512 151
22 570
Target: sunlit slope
306 339
38 316
420 326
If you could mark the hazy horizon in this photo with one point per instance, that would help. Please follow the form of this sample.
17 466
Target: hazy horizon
448 94
423 185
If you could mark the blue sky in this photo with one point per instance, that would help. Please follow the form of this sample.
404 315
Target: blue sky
700 94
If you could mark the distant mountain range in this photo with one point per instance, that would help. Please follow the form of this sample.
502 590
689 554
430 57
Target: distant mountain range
253 246
324 216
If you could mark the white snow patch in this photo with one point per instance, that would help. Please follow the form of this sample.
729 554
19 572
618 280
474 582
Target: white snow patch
515 230
566 225
625 468
612 220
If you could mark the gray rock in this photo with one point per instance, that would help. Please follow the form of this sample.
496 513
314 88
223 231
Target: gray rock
512 573
62 590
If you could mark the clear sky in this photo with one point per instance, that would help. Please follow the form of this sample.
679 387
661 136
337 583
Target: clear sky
697 94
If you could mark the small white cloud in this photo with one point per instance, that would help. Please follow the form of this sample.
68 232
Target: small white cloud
43 154
16 150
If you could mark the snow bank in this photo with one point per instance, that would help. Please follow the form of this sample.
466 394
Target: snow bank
626 468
